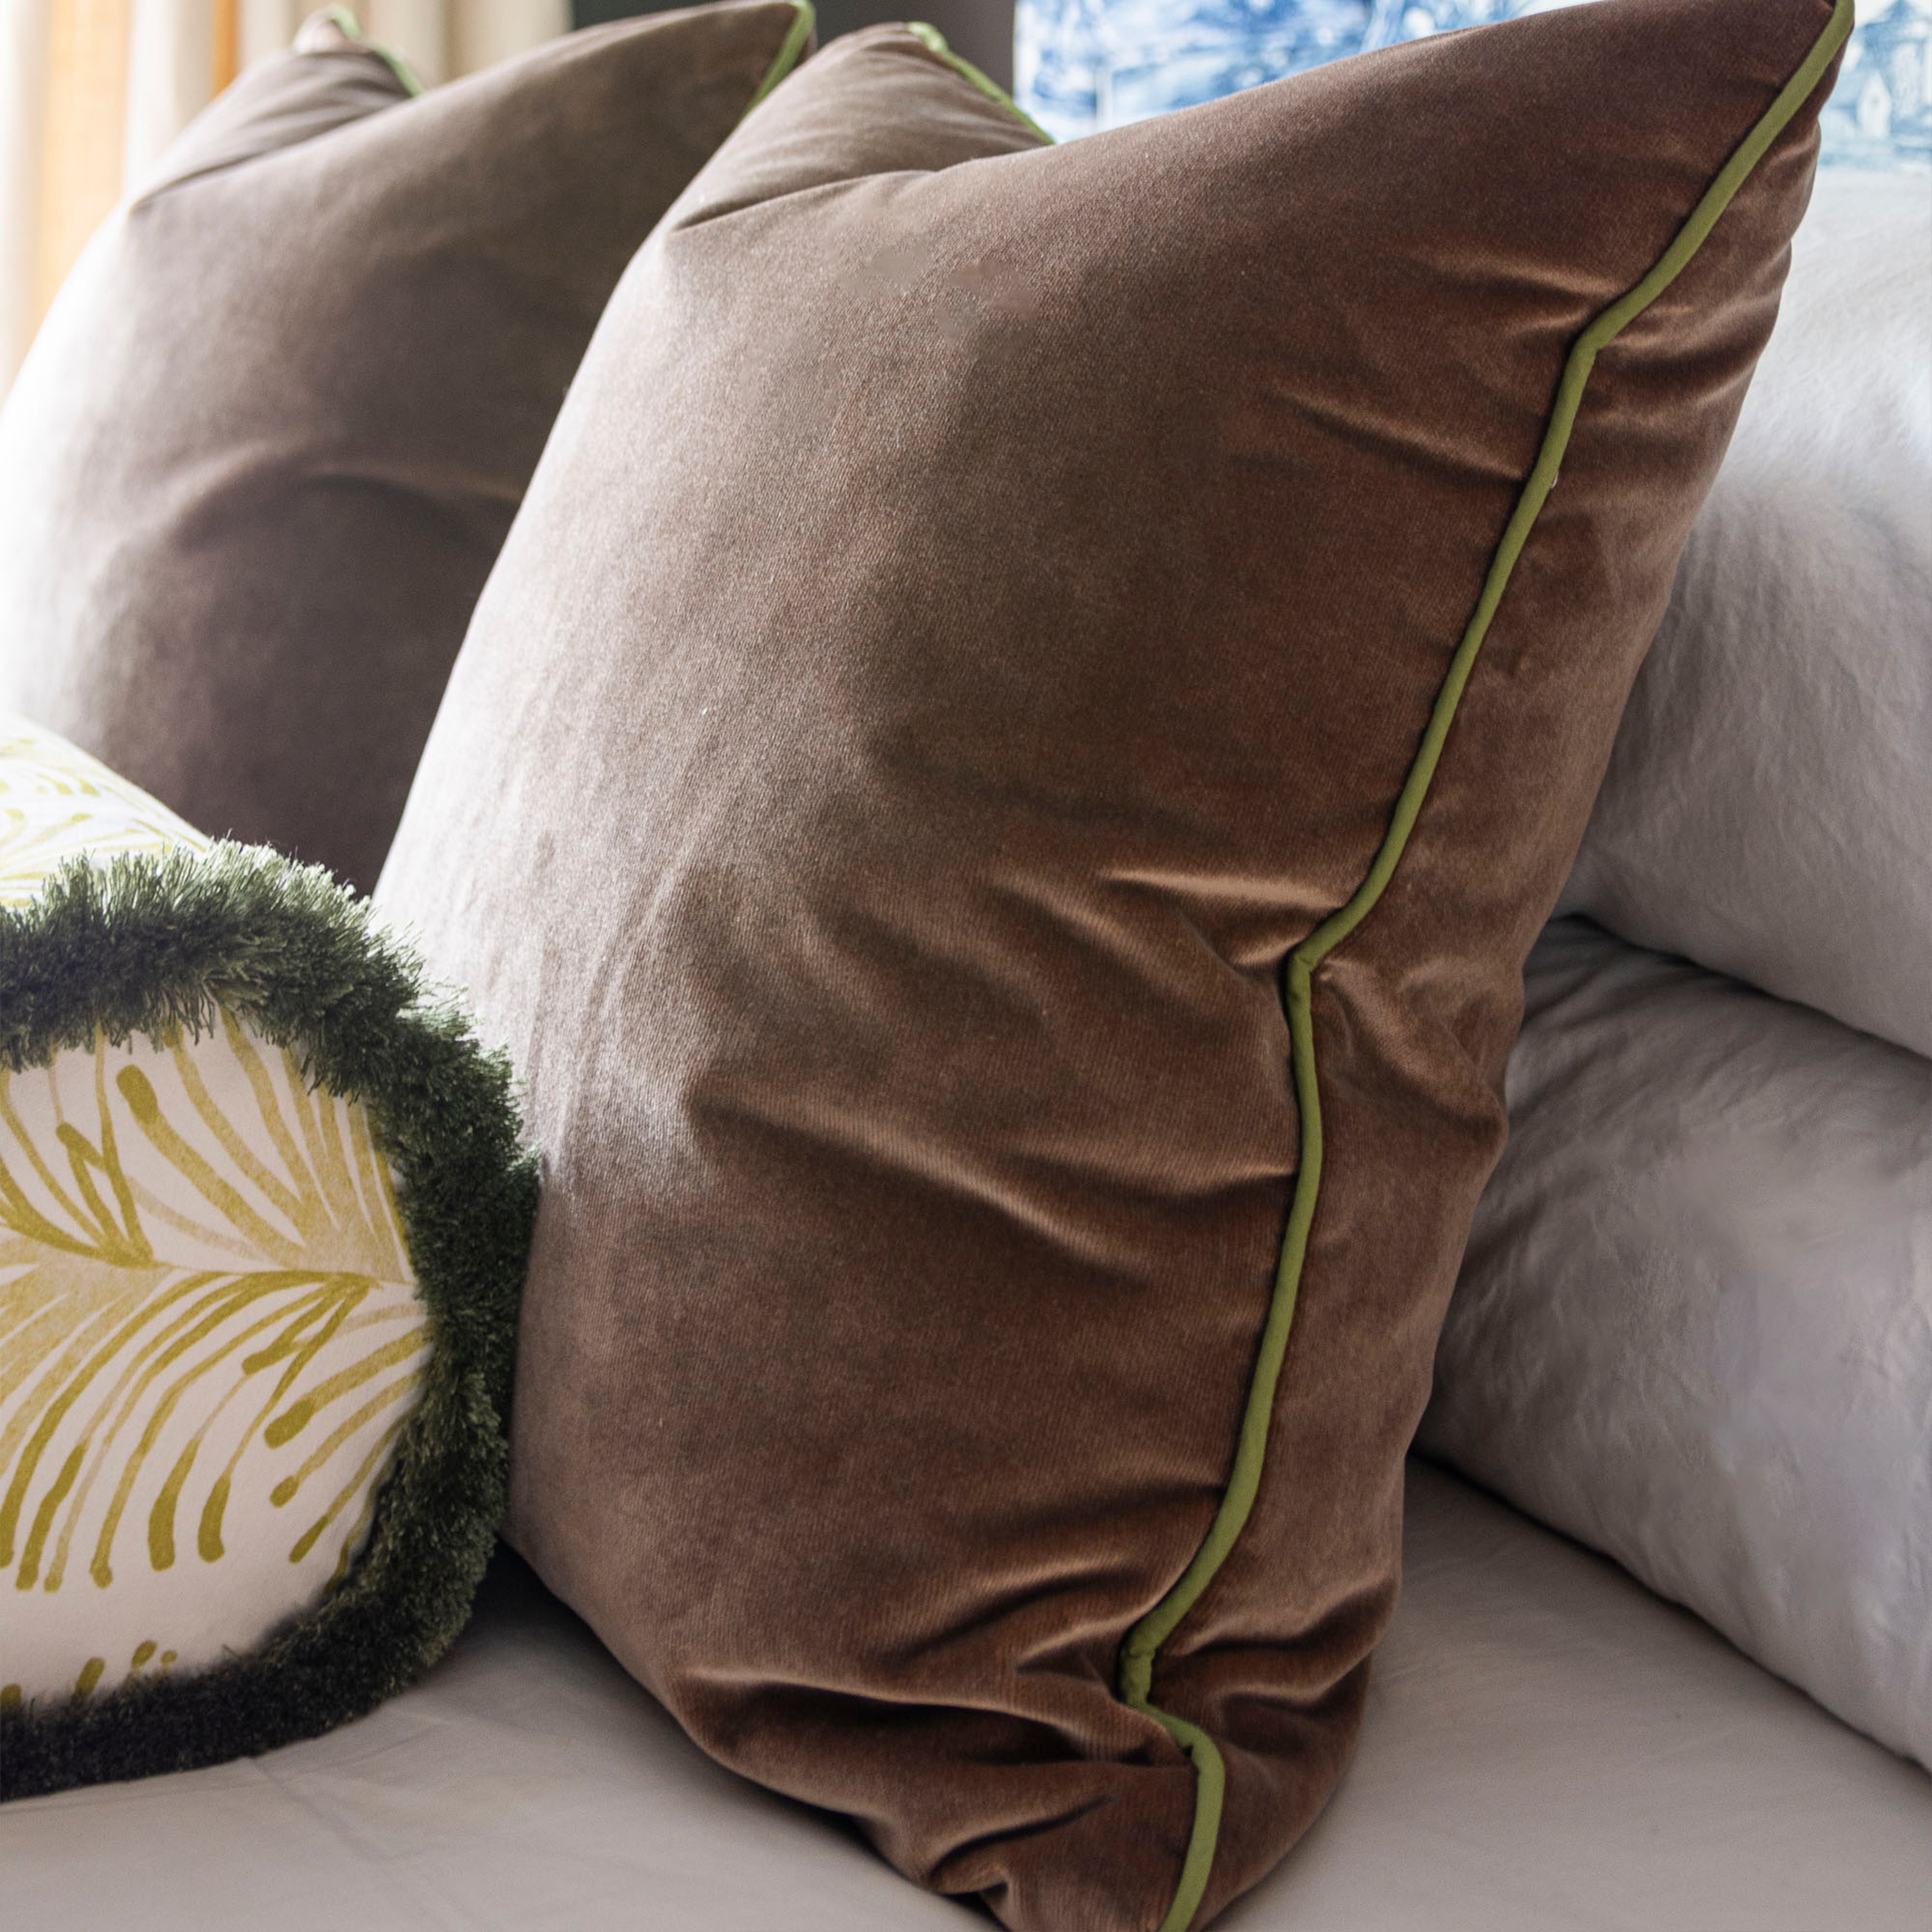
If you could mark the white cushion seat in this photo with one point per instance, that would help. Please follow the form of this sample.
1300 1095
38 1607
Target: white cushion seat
1547 1746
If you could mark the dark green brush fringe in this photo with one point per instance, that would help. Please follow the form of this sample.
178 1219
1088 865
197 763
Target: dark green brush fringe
143 946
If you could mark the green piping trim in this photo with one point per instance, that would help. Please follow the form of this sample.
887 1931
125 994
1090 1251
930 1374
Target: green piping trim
144 946
1144 1641
936 44
394 61
796 36
412 86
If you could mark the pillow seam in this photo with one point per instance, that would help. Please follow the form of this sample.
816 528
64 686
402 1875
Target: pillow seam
1139 1652
805 19
934 43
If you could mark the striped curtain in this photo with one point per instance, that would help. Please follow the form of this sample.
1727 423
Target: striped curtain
92 91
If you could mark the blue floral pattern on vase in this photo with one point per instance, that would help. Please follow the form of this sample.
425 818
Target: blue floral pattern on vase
1087 64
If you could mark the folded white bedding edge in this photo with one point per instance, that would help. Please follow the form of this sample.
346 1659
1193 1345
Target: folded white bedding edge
1693 1328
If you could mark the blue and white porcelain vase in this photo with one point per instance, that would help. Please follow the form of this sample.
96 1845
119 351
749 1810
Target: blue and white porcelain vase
1082 66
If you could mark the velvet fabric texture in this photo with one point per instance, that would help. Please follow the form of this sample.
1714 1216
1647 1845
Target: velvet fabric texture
973 627
271 434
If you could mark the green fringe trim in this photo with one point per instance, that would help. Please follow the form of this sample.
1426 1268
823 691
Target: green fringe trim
147 945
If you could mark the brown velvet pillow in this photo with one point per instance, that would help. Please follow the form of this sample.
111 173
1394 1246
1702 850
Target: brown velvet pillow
271 434
999 794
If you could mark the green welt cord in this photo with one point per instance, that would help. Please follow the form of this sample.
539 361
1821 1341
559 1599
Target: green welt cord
1143 1642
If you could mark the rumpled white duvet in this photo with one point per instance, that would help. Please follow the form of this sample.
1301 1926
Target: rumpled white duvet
1768 810
1694 1325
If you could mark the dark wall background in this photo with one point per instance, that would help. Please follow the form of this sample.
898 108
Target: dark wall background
979 30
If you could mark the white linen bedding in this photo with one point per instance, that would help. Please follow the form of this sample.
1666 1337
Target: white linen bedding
1547 1746
1693 1326
1767 808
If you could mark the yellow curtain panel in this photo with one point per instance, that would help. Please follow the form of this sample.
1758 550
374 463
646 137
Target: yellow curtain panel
92 91
87 113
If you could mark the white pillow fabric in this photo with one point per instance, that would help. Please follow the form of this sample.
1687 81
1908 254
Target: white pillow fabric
1694 1324
1768 810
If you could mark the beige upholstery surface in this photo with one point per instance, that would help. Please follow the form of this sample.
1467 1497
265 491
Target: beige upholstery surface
1547 1746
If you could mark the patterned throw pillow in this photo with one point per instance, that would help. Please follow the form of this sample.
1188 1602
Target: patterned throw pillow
1087 64
262 1222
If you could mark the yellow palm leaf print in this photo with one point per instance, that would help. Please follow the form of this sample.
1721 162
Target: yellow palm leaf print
210 1335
